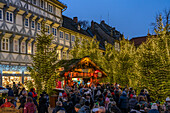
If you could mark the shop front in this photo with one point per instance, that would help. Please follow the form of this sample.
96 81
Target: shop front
82 71
12 73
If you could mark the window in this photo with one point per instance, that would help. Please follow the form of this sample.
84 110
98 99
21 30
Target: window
39 26
29 48
72 38
9 17
33 24
42 3
48 28
54 30
23 47
1 14
26 22
16 45
64 55
59 54
61 34
35 48
50 8
34 2
66 36
5 44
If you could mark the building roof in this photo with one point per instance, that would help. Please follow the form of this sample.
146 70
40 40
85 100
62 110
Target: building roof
70 65
138 40
70 24
103 33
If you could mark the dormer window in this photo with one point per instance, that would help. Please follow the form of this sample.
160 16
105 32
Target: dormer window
78 27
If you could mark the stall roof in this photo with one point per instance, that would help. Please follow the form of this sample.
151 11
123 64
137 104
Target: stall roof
70 64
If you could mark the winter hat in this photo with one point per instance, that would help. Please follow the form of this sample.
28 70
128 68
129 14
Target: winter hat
77 106
167 99
154 106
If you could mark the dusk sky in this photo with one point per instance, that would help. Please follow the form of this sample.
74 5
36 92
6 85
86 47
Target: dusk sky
133 18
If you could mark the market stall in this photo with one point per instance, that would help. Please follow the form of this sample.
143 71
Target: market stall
81 71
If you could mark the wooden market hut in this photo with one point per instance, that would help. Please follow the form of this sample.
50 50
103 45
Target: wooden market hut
83 68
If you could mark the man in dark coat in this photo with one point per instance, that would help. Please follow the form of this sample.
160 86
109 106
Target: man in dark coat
123 103
58 107
132 102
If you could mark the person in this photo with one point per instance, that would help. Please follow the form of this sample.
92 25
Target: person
47 99
10 91
154 108
8 104
142 95
22 98
68 105
136 109
132 102
123 103
15 89
42 108
85 108
33 95
29 106
95 108
168 108
167 102
58 107
112 108
143 104
77 108
102 109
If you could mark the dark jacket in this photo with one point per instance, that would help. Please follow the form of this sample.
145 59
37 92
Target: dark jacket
132 103
58 108
113 108
123 101
10 92
68 106
153 111
84 109
42 108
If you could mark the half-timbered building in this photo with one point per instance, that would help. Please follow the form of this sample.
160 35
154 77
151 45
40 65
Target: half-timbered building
20 21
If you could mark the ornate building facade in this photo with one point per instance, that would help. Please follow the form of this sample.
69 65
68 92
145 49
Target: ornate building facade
20 21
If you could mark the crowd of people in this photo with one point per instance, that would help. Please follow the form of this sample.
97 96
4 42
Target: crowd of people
96 98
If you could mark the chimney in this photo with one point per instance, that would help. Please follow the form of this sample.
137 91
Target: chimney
92 24
75 19
112 30
102 21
